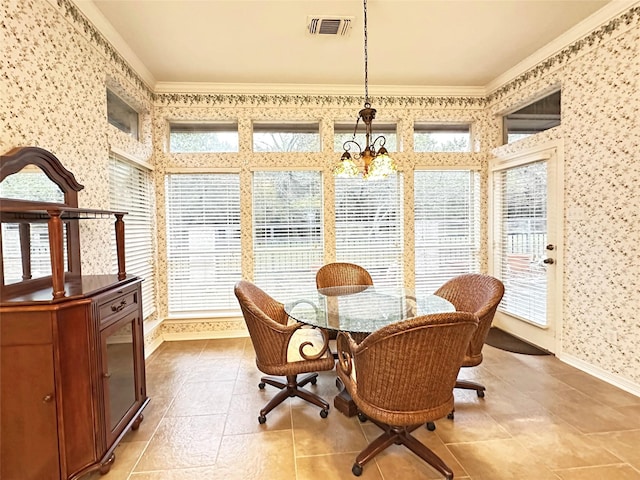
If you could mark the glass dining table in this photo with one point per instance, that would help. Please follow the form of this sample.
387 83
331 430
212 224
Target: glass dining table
360 310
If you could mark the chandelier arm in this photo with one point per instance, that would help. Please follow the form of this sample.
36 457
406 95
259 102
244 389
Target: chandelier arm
355 129
347 148
382 139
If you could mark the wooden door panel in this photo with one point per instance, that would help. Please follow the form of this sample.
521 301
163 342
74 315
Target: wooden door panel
28 407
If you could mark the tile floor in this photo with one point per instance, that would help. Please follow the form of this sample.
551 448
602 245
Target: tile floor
541 419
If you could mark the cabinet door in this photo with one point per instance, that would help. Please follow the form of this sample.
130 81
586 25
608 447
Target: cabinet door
120 366
29 437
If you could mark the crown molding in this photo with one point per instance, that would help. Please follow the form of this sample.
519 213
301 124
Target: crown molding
315 89
588 25
89 10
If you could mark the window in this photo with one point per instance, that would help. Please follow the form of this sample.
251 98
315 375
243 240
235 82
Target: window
203 242
287 231
343 132
203 137
130 190
369 227
121 115
447 226
286 137
535 117
441 137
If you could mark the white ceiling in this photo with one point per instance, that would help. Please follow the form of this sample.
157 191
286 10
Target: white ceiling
451 45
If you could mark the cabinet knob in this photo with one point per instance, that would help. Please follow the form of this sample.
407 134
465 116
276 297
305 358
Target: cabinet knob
106 375
47 398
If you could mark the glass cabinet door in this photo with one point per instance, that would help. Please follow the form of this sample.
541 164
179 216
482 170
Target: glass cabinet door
119 364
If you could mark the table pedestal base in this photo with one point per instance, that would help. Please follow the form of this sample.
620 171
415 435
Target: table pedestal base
344 404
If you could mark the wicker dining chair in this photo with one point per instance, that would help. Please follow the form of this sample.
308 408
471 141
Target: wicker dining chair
283 348
402 376
479 294
339 274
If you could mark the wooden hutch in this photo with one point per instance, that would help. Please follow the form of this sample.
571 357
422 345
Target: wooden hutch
72 372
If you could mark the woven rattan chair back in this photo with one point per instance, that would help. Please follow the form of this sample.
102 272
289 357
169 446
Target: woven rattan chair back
403 375
340 274
479 294
406 371
271 335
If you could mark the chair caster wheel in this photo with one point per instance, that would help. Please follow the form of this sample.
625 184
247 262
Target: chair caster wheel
313 381
356 470
262 419
481 393
362 417
450 416
431 426
261 385
324 412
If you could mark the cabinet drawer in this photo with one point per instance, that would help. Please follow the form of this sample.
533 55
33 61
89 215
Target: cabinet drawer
117 303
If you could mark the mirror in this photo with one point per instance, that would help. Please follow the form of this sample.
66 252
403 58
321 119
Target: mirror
30 183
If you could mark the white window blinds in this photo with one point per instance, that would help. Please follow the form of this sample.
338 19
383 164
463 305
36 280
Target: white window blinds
520 197
130 190
447 226
287 231
369 227
203 242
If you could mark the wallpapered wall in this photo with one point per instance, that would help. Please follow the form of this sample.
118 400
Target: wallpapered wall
55 68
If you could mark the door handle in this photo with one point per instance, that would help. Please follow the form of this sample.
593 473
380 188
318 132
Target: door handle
549 261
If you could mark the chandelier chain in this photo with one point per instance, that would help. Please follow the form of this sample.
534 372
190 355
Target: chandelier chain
366 58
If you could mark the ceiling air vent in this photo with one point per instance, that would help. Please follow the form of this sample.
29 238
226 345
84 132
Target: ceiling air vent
329 25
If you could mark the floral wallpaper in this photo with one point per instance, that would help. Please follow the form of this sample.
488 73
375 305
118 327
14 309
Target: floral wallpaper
55 68
601 134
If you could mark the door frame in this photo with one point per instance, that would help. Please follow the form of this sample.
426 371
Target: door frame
549 338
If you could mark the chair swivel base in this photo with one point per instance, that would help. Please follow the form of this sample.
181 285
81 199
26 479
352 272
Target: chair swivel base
469 385
293 388
400 436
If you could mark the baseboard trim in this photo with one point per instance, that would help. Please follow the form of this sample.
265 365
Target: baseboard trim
178 336
615 380
152 346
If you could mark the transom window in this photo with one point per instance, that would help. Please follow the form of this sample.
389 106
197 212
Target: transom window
441 137
536 117
202 137
286 137
121 115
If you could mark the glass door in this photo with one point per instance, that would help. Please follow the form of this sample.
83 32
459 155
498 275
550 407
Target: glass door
525 215
119 373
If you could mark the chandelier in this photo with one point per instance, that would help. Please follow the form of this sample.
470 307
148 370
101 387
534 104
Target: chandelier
376 161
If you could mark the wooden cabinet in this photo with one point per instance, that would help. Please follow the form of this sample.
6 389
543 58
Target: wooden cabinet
72 374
